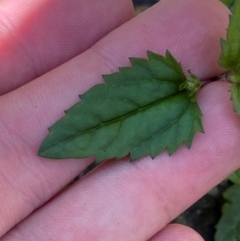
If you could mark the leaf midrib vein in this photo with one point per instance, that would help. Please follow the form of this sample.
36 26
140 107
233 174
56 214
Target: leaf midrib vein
117 119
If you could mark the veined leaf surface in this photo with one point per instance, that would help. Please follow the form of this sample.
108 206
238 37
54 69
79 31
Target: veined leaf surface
230 56
139 110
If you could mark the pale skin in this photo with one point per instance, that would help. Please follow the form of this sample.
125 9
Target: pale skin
119 200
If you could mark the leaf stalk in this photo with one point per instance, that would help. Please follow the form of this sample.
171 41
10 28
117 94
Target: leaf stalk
191 85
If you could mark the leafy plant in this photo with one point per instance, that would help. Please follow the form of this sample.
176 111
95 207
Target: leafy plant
228 227
145 109
235 177
230 57
140 110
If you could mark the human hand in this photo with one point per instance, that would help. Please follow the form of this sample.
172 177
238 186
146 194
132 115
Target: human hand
118 200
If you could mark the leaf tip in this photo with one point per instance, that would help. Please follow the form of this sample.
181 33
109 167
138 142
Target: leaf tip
137 61
152 156
188 144
105 77
149 54
41 151
201 130
168 53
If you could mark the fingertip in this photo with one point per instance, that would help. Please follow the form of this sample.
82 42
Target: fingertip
177 232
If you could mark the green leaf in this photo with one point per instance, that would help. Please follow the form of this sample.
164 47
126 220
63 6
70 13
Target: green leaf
229 3
230 56
228 228
235 90
235 177
139 110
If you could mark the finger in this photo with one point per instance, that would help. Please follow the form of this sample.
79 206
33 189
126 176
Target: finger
177 232
133 201
37 36
56 91
37 105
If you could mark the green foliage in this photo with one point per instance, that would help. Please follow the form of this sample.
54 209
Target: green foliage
235 90
139 110
192 85
230 56
228 228
235 177
229 3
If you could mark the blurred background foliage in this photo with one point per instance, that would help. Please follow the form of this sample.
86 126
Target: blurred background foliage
229 3
147 3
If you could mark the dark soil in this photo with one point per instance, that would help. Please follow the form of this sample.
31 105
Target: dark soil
144 2
205 214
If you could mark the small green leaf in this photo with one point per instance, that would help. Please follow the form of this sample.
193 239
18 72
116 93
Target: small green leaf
192 85
139 110
235 177
230 56
228 228
235 90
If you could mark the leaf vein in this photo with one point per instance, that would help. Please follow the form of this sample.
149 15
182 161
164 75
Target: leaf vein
162 130
115 120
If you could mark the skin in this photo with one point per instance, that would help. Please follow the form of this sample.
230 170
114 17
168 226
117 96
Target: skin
118 200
